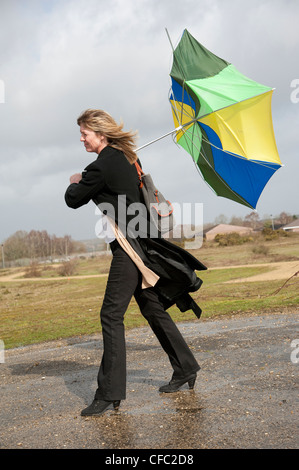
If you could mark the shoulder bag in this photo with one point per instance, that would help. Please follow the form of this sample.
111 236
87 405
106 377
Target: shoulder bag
159 208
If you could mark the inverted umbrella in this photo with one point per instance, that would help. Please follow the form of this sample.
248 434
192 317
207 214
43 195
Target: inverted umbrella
224 122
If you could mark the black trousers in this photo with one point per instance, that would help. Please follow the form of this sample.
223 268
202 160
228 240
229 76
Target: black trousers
124 281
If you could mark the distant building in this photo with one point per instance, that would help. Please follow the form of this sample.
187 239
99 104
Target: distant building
180 232
292 226
211 233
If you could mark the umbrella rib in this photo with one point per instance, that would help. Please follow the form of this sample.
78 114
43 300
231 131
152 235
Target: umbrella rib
182 107
177 111
258 162
231 132
189 140
237 102
210 133
180 110
173 51
222 180
202 153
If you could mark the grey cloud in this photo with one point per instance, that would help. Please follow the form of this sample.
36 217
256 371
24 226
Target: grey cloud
61 57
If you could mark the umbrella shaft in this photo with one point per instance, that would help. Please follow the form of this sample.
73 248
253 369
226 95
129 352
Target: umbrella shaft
159 138
165 135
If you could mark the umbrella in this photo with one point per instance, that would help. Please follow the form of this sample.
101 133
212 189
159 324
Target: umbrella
223 120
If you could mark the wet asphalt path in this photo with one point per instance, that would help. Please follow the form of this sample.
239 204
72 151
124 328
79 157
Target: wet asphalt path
246 394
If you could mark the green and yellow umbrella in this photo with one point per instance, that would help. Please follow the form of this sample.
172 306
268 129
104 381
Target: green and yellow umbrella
224 122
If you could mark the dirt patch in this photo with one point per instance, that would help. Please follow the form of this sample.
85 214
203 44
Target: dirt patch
282 270
18 277
278 270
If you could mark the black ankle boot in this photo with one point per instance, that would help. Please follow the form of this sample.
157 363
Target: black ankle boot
99 406
175 384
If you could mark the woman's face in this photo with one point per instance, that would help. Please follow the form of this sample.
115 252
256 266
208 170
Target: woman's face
92 142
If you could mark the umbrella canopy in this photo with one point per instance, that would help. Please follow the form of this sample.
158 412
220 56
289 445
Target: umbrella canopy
225 122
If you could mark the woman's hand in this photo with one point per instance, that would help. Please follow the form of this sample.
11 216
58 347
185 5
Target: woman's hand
76 178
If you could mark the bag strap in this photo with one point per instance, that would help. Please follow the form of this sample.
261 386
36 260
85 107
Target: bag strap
140 173
156 194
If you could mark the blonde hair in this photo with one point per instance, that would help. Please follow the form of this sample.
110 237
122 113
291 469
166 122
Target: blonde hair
102 123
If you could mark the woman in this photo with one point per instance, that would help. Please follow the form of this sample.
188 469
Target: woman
112 178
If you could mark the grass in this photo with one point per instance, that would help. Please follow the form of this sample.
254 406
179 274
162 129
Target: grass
246 297
38 311
43 310
282 249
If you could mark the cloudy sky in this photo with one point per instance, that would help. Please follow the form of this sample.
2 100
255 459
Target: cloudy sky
58 58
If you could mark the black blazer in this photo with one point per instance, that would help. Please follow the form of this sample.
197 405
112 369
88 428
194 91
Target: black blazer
111 176
103 180
111 182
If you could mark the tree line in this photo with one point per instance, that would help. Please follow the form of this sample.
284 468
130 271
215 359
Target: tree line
39 244
254 221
